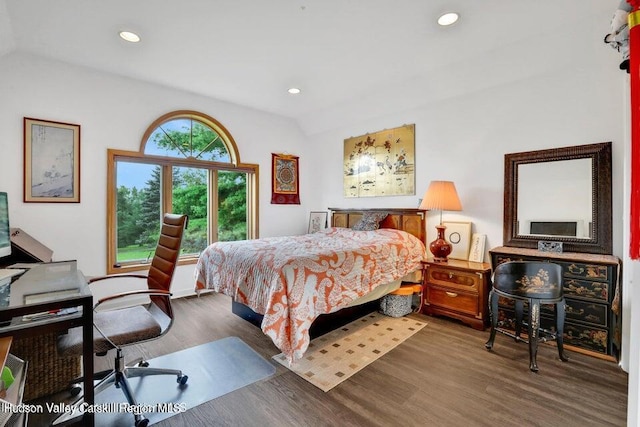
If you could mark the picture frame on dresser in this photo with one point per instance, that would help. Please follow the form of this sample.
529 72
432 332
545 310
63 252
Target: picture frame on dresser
476 252
458 233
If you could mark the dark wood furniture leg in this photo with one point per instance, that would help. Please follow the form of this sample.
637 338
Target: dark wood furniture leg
519 305
87 359
560 316
534 328
493 315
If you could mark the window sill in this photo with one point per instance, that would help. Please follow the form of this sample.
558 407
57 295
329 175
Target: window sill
144 266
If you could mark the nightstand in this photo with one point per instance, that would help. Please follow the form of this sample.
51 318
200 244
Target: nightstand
457 289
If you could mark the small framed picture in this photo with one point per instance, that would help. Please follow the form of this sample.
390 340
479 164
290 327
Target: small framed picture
317 221
476 254
51 161
459 235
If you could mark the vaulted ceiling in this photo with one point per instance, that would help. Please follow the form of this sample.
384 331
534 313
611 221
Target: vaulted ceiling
352 59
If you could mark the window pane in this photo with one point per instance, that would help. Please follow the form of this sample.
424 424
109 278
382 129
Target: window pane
184 138
232 206
161 144
207 144
190 197
138 210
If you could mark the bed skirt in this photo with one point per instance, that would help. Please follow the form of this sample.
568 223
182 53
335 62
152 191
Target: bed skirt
323 324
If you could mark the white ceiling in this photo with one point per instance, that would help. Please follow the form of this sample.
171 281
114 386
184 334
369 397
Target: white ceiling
341 53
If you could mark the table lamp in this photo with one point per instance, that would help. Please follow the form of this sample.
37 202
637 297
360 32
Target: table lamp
442 196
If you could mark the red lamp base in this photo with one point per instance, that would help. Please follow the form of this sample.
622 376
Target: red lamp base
440 248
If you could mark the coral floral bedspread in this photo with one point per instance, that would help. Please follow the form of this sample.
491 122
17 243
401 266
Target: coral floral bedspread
294 279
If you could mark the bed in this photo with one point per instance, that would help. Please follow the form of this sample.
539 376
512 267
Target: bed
288 282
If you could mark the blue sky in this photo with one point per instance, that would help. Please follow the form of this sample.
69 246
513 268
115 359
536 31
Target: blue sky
133 174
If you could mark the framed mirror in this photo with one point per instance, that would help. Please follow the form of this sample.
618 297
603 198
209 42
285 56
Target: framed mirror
559 195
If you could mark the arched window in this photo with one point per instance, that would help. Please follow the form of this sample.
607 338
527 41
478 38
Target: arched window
188 163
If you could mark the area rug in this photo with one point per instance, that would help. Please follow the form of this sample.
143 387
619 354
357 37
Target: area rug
336 356
214 369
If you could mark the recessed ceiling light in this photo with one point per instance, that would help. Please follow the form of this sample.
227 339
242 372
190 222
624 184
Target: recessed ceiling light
129 36
293 90
448 18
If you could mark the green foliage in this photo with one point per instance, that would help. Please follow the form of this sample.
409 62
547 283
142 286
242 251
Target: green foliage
190 138
195 237
150 213
129 205
139 212
190 192
232 206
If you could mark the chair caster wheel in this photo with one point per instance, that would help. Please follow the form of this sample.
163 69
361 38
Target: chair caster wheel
182 380
143 364
142 423
75 390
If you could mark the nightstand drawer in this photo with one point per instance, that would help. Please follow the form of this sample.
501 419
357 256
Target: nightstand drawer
455 279
454 300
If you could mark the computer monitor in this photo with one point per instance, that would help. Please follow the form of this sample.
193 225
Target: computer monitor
5 236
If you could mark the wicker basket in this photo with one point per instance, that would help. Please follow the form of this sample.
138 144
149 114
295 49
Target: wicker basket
402 301
47 373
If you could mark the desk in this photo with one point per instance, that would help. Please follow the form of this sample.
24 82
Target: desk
45 287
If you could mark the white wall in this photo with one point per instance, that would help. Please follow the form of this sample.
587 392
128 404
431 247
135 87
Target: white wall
464 139
114 112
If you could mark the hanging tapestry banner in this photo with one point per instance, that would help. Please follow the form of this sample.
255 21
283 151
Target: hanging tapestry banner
284 180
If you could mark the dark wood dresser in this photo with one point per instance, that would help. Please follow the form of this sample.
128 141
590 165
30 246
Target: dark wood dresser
592 293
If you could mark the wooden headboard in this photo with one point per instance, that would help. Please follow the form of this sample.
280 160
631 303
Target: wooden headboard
412 221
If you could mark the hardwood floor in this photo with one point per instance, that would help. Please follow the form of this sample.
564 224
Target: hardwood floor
442 376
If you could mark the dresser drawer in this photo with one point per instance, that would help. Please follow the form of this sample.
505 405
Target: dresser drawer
499 259
582 311
454 279
585 311
586 289
453 300
583 336
594 339
586 270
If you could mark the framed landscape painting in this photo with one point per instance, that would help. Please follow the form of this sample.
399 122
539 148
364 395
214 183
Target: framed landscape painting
51 161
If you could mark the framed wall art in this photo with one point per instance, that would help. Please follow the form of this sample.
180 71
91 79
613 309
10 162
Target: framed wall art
317 221
476 253
380 163
51 161
459 235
